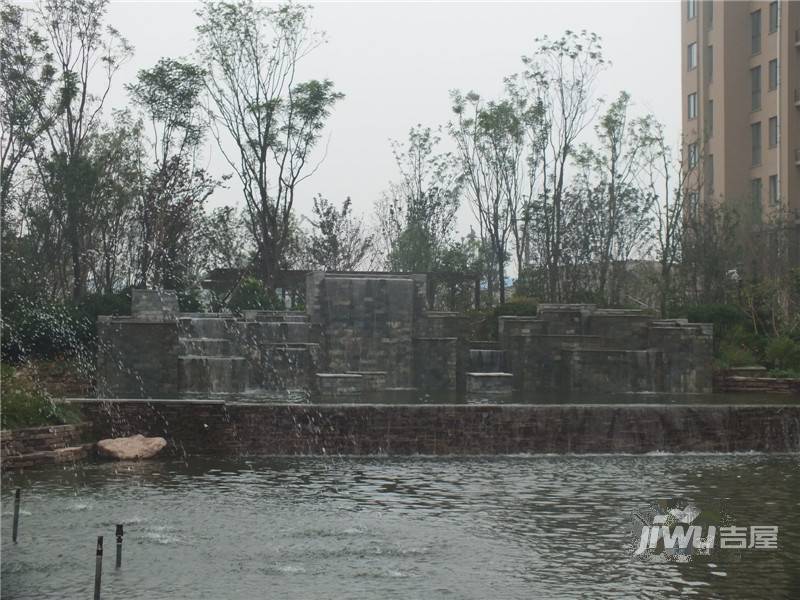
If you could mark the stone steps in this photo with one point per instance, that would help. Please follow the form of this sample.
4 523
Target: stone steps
47 457
36 439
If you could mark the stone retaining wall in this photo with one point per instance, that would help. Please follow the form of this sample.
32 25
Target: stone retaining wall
770 385
209 427
43 445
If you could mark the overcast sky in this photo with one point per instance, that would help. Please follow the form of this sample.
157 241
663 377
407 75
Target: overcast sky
396 63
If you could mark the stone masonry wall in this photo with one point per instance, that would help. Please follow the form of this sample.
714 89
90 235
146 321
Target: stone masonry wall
435 363
137 358
460 429
367 325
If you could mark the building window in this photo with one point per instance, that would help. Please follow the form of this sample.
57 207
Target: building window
755 190
774 197
773 132
709 63
773 74
692 105
709 117
755 32
691 56
755 143
773 17
709 175
693 202
708 14
692 156
691 9
755 88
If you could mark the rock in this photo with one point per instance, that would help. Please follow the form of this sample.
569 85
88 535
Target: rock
131 448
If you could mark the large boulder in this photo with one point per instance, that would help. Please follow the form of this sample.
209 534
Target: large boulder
131 448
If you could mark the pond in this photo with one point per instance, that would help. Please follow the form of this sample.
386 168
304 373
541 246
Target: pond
373 528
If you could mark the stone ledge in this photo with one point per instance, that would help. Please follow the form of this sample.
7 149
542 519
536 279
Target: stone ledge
455 429
768 385
47 457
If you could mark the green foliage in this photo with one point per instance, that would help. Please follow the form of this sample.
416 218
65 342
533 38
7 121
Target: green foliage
724 317
484 324
338 241
189 300
518 306
36 329
251 294
783 353
24 405
739 343
417 214
250 53
169 94
94 305
733 355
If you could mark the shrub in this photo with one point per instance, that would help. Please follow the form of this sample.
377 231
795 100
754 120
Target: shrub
190 300
43 330
731 355
783 353
724 316
251 294
36 329
483 323
24 405
518 306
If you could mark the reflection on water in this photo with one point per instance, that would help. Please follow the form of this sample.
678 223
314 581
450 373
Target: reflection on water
500 527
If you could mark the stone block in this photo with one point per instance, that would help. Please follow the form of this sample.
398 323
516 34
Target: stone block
490 383
154 304
338 386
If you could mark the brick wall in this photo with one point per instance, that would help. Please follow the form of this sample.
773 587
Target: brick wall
23 448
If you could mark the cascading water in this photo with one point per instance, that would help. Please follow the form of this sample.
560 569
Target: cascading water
487 361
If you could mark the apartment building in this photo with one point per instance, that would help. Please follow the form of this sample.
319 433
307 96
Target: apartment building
741 102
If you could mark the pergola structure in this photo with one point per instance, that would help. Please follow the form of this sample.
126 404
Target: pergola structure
291 283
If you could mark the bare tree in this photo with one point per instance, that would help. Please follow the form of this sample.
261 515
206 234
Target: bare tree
251 55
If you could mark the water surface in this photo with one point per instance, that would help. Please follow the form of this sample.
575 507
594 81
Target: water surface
516 527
